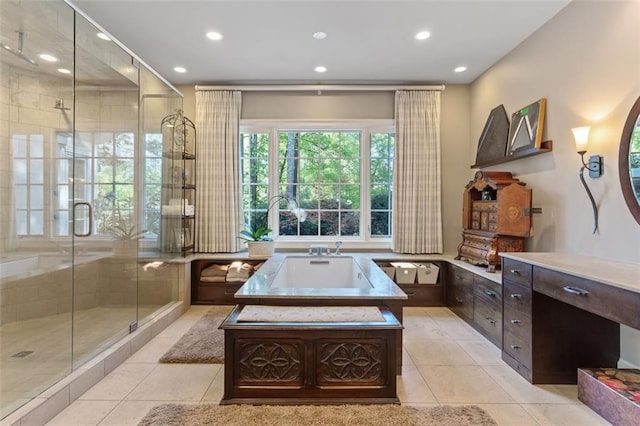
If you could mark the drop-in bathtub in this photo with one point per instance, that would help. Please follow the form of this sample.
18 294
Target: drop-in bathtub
344 281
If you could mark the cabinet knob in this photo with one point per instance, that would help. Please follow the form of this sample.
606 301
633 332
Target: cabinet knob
459 300
515 321
491 320
516 296
490 293
515 271
516 347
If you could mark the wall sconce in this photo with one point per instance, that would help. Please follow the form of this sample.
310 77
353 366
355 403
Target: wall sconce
595 166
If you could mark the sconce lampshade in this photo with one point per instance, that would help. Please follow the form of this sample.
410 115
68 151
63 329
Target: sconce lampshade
581 135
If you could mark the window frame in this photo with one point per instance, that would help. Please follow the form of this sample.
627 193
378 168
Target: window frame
365 126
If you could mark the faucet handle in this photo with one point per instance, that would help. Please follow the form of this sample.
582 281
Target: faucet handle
338 244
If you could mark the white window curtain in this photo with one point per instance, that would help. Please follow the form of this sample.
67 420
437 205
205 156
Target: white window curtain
218 198
417 192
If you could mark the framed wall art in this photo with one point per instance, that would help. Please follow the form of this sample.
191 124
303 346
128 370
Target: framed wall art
525 132
492 144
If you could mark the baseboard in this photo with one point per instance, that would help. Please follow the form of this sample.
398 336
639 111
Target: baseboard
626 364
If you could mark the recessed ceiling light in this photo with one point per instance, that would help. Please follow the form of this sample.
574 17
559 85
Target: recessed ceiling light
320 69
423 35
47 57
64 71
319 35
103 36
214 35
460 69
180 69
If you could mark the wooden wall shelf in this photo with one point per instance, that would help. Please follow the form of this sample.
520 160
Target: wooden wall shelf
545 146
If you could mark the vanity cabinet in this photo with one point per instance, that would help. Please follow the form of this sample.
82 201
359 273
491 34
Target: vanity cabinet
477 300
546 339
460 292
487 309
496 217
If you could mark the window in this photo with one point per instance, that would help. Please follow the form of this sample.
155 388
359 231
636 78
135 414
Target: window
103 174
28 183
381 172
341 176
152 184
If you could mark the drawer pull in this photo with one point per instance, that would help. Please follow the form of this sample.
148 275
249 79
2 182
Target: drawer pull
516 296
516 347
515 271
575 290
515 321
491 320
459 300
490 293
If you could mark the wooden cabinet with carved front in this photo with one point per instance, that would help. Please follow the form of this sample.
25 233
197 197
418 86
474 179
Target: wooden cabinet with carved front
496 217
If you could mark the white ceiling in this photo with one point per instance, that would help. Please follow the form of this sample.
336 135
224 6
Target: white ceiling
368 41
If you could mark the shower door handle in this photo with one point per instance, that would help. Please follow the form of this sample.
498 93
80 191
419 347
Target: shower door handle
89 232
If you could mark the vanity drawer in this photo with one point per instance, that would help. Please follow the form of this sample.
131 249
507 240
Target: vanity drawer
516 271
488 318
517 323
598 298
487 289
518 348
516 297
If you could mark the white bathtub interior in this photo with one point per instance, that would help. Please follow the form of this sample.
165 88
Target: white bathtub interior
320 272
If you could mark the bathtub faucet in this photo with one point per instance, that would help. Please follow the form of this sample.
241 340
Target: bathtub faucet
318 249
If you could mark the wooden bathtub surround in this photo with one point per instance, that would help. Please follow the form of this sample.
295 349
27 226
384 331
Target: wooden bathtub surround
310 362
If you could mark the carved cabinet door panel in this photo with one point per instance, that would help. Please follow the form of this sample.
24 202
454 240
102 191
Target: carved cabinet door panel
514 210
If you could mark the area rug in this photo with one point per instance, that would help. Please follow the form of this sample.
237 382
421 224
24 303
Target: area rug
202 344
312 415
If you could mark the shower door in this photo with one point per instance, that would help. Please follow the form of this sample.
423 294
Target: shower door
104 198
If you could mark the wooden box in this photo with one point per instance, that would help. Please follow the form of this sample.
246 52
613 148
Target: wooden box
612 393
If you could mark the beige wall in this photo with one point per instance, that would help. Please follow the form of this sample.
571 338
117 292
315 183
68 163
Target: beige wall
376 105
586 62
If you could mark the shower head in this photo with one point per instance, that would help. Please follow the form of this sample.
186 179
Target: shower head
60 105
18 52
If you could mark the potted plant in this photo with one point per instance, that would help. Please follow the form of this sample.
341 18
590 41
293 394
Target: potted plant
259 243
120 227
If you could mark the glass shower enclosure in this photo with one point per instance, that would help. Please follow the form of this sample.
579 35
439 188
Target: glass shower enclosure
80 195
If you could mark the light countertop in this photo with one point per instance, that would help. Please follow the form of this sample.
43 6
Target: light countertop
625 275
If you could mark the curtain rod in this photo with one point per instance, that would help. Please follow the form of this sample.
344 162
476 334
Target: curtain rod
322 88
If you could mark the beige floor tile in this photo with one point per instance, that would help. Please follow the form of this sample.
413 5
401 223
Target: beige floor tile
463 385
117 385
129 413
457 329
406 358
526 393
181 382
412 388
564 414
152 351
83 413
509 414
437 352
483 352
216 390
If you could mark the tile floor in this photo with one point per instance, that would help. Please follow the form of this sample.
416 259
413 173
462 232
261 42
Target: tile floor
445 362
49 343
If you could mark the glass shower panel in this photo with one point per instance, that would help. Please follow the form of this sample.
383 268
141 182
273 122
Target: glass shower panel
157 279
105 195
35 260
